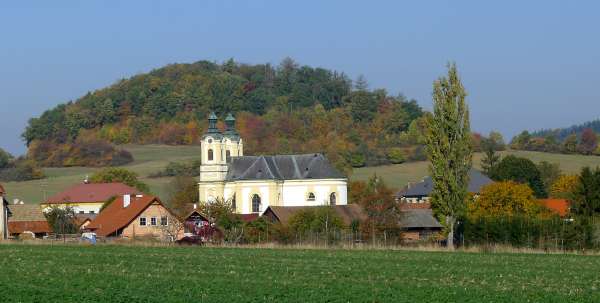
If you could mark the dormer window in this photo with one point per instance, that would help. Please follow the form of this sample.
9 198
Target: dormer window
209 140
210 155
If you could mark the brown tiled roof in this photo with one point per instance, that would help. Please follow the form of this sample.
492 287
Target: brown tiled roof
93 192
558 206
25 213
27 217
32 226
248 217
115 216
347 213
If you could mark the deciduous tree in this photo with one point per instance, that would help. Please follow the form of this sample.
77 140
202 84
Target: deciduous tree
449 149
504 199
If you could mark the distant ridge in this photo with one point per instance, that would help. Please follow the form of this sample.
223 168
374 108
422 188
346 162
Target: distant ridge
562 133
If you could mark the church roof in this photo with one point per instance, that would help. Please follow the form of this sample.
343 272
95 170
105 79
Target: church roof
282 167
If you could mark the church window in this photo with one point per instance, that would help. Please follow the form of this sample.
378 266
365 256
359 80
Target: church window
228 156
210 155
233 203
311 197
255 203
209 140
332 199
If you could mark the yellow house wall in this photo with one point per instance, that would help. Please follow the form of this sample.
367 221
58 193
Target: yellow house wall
134 229
77 207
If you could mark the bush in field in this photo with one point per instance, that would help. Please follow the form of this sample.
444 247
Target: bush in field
84 151
321 220
396 156
5 158
174 169
109 175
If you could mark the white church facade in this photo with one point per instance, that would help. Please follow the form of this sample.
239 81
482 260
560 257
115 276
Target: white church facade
253 183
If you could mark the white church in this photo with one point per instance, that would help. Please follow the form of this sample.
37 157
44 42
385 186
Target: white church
253 183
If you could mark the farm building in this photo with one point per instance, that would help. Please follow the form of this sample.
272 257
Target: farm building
253 183
83 220
4 214
27 220
196 223
88 198
134 216
282 214
419 224
419 192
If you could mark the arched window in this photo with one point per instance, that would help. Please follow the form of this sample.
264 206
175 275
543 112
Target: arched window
332 199
233 203
311 197
255 203
210 155
228 156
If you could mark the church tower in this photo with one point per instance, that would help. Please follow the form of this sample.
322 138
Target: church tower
217 149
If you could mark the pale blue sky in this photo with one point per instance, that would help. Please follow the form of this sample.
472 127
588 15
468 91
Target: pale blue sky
525 64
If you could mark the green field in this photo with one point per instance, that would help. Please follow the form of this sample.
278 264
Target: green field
152 158
41 273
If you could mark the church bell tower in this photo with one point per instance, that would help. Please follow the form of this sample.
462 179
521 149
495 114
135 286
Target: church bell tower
217 150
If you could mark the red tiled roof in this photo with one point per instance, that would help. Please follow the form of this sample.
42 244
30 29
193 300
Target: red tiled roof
20 227
115 216
559 206
93 192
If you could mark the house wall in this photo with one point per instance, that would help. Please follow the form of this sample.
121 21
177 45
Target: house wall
87 208
134 229
3 220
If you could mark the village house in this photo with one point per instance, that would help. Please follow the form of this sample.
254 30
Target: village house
253 183
27 220
419 193
419 224
88 198
349 213
4 214
131 216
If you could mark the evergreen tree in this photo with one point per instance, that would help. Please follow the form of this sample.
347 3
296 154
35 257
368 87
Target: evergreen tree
490 158
449 149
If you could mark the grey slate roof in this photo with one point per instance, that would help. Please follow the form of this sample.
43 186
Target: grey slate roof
282 167
419 218
423 188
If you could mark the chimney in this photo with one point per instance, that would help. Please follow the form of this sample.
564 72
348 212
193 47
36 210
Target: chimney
126 200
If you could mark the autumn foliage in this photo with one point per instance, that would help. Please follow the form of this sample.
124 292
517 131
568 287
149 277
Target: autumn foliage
505 199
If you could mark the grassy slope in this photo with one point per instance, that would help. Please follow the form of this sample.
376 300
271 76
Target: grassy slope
192 274
152 158
398 175
148 159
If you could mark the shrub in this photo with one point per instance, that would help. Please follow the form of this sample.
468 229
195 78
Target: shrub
396 155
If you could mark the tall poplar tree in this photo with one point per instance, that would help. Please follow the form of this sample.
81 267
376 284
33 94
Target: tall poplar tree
449 149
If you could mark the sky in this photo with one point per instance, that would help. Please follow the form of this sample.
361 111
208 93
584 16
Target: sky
525 64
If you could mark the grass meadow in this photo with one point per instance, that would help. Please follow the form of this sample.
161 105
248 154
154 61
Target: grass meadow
110 273
152 158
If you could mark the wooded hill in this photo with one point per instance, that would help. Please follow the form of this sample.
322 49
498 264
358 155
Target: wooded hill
284 109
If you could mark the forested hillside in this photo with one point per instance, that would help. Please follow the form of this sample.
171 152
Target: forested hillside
283 109
577 139
563 133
